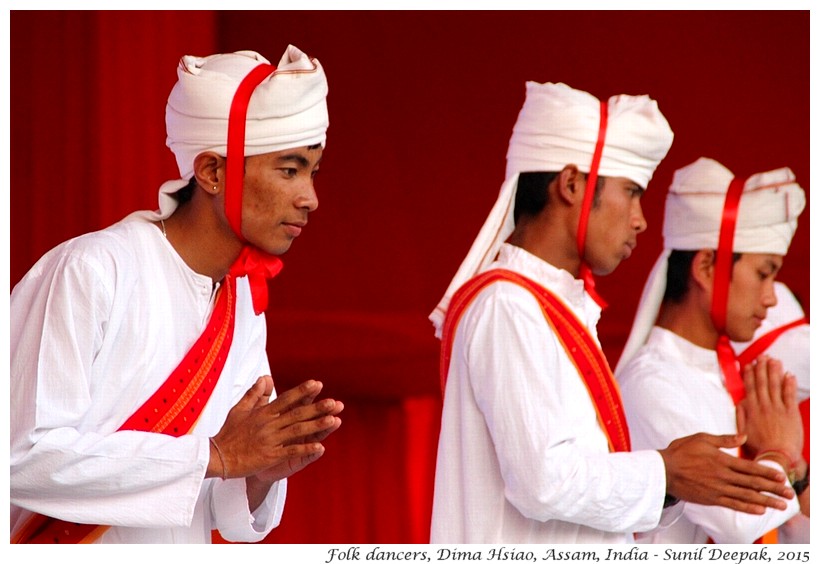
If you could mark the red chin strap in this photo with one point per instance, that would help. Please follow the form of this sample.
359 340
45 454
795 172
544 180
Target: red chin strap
586 206
258 266
720 290
236 145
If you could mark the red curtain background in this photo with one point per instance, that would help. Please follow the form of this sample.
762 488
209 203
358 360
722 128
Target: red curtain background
421 109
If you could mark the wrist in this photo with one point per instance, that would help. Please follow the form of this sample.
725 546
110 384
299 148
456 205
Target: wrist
801 482
783 459
216 464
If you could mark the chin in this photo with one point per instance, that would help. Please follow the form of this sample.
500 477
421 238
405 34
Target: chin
274 247
604 270
741 336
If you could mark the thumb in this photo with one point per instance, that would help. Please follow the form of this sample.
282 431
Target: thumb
253 396
728 441
741 418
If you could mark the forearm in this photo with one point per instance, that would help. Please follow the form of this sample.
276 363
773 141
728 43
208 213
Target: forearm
615 492
257 492
95 479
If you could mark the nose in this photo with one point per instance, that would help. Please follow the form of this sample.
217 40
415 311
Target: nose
308 200
638 220
769 296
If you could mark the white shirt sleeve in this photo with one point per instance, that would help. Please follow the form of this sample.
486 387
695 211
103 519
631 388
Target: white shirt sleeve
661 409
551 450
125 478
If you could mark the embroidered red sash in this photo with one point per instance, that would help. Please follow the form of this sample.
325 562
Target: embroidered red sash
581 348
173 410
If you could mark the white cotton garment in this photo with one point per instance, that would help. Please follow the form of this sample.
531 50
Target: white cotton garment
671 389
522 457
97 325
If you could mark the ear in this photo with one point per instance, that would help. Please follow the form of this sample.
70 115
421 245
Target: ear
569 183
209 170
703 269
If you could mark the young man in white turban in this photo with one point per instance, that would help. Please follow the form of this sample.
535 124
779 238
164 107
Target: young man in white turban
724 241
534 446
142 406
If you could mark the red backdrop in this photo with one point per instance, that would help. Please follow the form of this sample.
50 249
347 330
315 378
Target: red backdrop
421 109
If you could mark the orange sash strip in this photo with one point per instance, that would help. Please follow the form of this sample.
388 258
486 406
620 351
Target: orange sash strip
581 348
173 410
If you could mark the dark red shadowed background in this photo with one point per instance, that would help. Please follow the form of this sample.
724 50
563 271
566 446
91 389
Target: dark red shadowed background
421 105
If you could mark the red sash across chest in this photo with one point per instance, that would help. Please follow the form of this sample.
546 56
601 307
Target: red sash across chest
576 340
173 410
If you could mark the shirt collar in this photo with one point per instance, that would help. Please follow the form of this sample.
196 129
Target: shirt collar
559 280
680 349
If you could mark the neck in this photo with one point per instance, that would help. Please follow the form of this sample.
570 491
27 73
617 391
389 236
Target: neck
550 241
205 245
689 322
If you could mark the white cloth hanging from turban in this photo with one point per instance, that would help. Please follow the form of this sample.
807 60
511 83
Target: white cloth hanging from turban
287 110
558 126
766 222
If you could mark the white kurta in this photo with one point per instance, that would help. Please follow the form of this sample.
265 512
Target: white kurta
672 388
97 326
521 456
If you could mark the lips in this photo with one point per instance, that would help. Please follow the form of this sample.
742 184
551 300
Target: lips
629 246
294 229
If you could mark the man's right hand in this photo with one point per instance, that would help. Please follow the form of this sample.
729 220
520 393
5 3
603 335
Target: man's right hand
259 436
699 472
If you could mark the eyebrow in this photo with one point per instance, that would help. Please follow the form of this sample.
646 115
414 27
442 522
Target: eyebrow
297 158
773 266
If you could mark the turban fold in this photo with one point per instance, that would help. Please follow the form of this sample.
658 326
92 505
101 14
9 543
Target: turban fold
558 126
767 213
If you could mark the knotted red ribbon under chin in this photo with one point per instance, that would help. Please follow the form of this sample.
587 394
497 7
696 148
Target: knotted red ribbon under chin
720 289
259 267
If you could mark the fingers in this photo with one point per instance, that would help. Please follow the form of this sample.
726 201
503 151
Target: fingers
755 504
255 395
740 415
301 395
775 374
266 382
761 382
790 392
749 382
723 441
758 477
313 422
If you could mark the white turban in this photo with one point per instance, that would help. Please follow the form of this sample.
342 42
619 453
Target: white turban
558 126
766 221
286 110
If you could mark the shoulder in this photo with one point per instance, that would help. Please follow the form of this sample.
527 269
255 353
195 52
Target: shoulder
647 371
506 299
101 257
